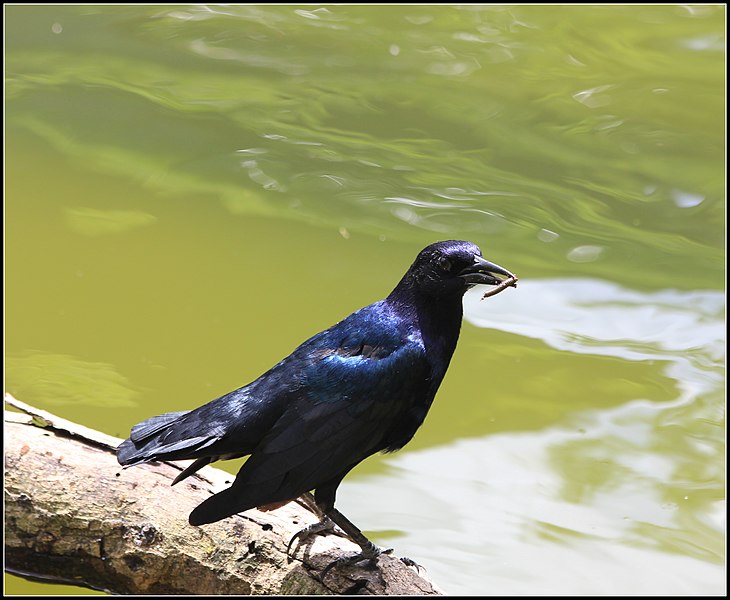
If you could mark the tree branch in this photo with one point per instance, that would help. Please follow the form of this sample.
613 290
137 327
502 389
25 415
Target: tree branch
73 515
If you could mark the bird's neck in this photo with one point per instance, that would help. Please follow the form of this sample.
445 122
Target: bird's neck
437 318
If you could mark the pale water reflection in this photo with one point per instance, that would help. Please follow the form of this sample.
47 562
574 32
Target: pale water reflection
624 500
497 516
599 317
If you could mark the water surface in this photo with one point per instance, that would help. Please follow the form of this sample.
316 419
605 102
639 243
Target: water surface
191 191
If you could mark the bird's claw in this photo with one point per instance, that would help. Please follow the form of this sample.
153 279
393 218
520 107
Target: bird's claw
409 562
324 527
371 554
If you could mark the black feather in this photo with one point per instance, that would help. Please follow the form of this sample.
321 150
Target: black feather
360 387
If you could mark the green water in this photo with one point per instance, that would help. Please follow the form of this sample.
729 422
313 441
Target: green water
192 191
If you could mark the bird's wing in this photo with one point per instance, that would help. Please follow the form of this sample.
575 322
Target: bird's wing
235 424
353 391
231 425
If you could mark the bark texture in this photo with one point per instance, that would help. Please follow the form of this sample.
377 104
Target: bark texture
73 515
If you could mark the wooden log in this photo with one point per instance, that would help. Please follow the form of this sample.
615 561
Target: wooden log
73 515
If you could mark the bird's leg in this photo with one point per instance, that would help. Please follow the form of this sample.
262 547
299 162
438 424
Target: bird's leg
325 524
307 501
370 551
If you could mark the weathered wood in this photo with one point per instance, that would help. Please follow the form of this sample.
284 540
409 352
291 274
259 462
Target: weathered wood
73 515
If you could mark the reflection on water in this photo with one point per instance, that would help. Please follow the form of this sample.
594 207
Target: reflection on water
503 513
193 190
599 317
600 501
621 174
90 221
58 379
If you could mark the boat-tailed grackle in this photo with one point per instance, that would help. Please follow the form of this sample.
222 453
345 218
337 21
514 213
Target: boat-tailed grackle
360 387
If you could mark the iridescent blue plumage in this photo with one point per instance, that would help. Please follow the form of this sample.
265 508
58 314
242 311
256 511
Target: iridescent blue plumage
360 387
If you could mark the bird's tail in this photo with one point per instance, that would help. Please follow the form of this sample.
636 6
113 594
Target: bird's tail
244 494
217 507
164 437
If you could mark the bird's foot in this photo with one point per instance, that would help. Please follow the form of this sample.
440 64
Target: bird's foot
369 553
324 527
409 562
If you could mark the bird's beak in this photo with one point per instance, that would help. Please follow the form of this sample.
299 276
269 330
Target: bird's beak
484 272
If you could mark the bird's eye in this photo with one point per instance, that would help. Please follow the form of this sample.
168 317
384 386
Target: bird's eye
444 263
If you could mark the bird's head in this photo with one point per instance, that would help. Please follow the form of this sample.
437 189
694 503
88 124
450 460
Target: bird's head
450 268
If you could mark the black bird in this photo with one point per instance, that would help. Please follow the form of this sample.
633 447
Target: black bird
360 387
